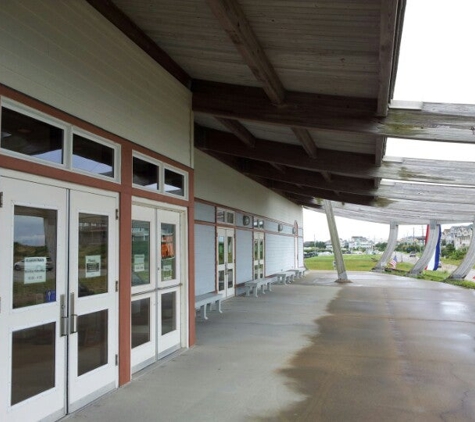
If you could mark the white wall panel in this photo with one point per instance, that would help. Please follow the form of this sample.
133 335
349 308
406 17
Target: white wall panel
67 55
279 253
205 259
205 212
243 256
234 190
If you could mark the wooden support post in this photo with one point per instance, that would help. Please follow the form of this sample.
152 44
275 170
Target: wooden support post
467 264
340 264
392 243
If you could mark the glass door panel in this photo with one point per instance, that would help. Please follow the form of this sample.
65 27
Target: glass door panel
141 253
141 323
33 361
34 255
168 246
92 254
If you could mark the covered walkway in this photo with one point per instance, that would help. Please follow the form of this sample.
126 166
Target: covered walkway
383 348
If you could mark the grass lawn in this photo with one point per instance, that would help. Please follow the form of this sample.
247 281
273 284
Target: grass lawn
352 262
367 262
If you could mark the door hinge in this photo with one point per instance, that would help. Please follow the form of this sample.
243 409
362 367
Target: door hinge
117 285
1 199
117 213
116 360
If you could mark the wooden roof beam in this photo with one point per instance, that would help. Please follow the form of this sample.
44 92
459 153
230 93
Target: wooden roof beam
320 193
388 37
378 215
337 162
433 122
120 20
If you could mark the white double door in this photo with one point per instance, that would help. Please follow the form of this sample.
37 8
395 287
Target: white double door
157 284
58 315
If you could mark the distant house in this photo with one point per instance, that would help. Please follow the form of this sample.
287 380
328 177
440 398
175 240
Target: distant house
459 236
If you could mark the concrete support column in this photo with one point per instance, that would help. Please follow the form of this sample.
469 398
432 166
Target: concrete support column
463 269
392 243
340 264
431 244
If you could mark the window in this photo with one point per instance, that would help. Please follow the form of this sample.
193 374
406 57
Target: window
225 216
26 135
38 137
92 157
174 183
146 174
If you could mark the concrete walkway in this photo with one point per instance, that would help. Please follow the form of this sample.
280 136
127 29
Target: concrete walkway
384 348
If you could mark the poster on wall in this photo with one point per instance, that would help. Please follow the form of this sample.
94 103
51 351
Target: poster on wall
139 263
93 266
35 270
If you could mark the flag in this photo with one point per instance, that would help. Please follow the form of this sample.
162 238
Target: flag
393 262
435 258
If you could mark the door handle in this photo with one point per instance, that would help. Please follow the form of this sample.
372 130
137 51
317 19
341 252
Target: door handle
63 316
74 318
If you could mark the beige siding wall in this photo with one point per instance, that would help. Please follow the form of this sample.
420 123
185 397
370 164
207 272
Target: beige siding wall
218 183
67 55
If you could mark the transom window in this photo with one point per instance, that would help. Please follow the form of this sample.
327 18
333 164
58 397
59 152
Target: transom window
35 136
152 174
29 136
225 216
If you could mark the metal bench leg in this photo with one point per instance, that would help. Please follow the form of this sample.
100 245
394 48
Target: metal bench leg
203 311
218 306
248 290
255 291
269 287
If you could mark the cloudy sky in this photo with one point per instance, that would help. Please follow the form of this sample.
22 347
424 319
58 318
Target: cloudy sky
436 64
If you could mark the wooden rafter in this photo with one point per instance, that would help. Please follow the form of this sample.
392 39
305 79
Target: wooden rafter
306 140
234 21
239 130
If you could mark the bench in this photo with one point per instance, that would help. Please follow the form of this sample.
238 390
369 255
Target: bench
202 302
253 285
285 277
299 272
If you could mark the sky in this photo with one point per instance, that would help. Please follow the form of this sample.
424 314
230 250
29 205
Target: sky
436 64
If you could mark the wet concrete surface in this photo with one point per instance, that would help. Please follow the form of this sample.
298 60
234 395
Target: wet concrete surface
390 350
383 348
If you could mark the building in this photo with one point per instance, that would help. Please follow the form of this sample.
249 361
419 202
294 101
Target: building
459 236
155 151
115 221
